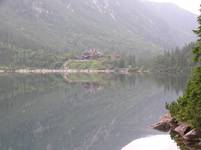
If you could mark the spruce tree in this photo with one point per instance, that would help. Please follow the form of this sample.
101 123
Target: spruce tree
188 107
197 49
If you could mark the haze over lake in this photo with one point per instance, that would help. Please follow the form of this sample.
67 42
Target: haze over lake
46 112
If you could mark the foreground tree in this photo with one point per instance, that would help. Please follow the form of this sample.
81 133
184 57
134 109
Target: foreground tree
197 50
188 107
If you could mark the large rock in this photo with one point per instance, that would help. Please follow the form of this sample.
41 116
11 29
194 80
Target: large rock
161 126
165 123
191 138
182 129
192 135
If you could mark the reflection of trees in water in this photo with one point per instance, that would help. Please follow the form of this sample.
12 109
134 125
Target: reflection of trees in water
92 83
90 87
66 121
66 114
21 86
12 86
172 82
96 82
125 80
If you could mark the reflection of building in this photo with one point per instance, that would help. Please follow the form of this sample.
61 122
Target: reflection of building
92 87
92 54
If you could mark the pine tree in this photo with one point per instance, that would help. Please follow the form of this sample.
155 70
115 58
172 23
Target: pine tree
197 49
188 107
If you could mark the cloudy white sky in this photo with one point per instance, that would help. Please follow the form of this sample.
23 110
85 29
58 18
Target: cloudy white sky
191 5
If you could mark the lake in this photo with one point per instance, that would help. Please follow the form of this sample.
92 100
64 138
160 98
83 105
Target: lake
81 112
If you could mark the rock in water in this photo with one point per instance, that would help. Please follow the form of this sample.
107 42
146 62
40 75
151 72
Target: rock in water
165 123
192 135
182 129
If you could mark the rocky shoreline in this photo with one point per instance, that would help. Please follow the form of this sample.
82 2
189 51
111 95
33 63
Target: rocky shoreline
48 71
88 71
181 132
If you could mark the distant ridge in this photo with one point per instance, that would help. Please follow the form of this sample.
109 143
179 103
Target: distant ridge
129 26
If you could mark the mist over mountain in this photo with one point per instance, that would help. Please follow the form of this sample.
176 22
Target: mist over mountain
130 26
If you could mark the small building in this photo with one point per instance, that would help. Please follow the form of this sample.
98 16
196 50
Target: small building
92 54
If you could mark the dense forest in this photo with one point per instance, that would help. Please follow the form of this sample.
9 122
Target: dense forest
12 57
125 61
178 60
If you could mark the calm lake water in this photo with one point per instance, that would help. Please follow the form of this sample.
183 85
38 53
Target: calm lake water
54 112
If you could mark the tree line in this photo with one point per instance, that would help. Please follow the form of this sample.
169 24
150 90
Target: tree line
178 60
13 57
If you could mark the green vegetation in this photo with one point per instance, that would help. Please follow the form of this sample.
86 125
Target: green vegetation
107 62
14 85
171 82
188 107
52 26
41 34
178 60
86 64
63 30
88 78
125 61
12 57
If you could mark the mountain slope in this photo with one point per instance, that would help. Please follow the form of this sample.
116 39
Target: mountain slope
179 20
110 25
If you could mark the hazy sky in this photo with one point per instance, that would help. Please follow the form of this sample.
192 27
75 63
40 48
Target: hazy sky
191 5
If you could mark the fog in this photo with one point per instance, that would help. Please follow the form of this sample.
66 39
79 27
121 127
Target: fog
192 5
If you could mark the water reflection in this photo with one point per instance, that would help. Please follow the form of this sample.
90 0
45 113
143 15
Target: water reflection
158 142
102 112
172 82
